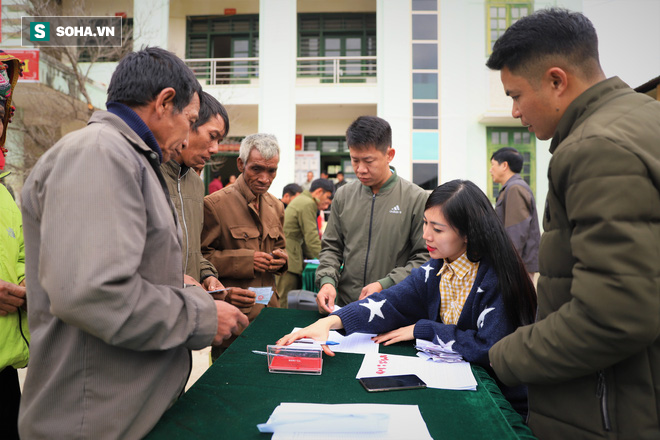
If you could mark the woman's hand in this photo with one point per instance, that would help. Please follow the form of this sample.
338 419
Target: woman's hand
319 331
401 334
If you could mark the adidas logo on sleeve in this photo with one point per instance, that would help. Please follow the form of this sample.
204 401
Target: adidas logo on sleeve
395 210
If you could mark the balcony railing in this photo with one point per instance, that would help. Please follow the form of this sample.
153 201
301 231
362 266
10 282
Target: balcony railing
338 69
230 71
224 70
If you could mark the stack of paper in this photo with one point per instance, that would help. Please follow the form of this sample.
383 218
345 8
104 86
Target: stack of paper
315 421
449 376
437 352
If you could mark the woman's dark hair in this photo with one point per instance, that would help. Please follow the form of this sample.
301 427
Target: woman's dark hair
469 212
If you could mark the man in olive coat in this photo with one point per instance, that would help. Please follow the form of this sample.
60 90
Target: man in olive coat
302 233
592 361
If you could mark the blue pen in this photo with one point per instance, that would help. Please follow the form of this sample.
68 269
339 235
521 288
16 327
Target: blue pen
312 341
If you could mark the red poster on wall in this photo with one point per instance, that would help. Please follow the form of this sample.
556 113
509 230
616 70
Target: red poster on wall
31 67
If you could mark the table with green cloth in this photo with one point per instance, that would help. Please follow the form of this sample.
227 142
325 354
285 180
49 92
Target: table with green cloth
309 277
237 392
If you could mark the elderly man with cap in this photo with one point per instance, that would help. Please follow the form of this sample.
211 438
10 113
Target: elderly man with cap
302 233
14 332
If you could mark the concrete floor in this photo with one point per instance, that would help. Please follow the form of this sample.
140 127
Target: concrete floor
201 361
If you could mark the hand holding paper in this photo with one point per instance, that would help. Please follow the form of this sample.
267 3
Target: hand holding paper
240 297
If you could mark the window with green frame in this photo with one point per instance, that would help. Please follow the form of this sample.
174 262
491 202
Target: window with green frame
236 36
212 37
333 35
334 154
326 144
520 139
500 14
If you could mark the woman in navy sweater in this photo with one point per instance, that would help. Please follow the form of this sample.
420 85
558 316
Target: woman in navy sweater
474 291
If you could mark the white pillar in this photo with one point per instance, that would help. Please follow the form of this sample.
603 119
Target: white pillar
277 80
150 23
395 78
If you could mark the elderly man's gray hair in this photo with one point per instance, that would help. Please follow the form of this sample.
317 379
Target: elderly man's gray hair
266 144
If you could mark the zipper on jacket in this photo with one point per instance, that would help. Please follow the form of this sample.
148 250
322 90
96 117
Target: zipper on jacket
601 392
183 221
371 221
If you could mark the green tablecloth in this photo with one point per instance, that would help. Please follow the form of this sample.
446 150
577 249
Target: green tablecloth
237 392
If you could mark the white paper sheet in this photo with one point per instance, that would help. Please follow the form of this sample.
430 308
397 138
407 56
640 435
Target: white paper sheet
449 376
358 343
405 422
263 294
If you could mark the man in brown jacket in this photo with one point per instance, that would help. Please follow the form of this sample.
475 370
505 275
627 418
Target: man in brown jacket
242 235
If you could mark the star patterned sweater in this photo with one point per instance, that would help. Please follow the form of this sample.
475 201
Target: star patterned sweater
416 300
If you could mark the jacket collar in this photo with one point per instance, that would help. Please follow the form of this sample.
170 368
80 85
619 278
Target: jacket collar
306 193
104 117
244 189
248 195
118 124
389 184
585 105
174 169
512 179
135 122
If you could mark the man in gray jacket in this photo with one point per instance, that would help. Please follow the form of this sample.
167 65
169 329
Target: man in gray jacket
592 360
187 189
516 206
111 321
375 225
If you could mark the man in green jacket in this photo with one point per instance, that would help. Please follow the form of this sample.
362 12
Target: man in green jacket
302 233
375 226
14 332
187 189
592 360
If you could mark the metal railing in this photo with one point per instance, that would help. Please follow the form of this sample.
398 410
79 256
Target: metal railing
337 69
340 69
224 70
